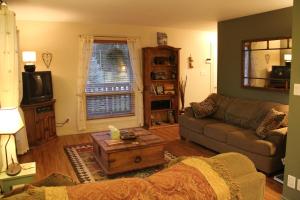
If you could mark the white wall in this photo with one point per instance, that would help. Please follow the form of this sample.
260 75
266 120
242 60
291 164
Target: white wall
61 39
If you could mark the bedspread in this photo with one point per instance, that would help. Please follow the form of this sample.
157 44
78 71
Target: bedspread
192 178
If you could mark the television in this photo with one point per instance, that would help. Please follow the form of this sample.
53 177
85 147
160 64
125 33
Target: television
37 87
280 76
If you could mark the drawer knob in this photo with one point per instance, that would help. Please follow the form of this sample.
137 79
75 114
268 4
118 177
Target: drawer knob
138 159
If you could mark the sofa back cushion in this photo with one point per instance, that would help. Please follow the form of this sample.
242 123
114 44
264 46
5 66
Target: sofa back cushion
223 103
242 112
245 113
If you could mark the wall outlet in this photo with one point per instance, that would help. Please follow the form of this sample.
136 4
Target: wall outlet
298 185
297 89
291 182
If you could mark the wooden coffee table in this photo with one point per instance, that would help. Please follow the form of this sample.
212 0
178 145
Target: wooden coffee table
145 151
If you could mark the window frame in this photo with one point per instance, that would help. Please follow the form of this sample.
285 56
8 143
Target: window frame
131 93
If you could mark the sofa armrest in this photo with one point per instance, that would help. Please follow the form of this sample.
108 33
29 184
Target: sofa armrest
233 161
188 111
278 137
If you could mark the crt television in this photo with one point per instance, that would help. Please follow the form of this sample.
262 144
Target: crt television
280 76
37 87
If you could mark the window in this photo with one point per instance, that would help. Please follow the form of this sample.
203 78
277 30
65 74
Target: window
267 63
109 87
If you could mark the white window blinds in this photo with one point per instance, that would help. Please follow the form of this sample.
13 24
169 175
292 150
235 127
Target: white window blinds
109 88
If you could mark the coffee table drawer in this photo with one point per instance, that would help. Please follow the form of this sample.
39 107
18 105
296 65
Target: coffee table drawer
135 159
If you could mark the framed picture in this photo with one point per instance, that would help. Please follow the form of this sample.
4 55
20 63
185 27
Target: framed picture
162 38
159 89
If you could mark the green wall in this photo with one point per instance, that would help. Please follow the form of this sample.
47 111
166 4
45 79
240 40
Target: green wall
293 139
230 35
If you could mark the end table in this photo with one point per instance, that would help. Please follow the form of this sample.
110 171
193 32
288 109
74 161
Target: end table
26 176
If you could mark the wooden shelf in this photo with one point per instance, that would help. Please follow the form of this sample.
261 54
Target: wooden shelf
169 57
166 80
166 65
162 110
154 96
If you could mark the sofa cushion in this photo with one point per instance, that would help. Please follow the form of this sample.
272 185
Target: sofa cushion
223 103
241 112
272 121
247 140
219 131
194 124
204 108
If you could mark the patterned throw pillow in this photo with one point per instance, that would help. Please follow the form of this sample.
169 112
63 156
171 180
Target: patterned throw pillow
272 121
204 108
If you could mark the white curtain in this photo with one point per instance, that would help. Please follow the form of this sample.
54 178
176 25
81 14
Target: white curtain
10 80
135 59
85 53
21 137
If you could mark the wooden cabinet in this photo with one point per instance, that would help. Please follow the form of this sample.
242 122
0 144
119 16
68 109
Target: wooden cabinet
161 73
40 122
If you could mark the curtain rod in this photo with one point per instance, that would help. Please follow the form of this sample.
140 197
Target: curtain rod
110 36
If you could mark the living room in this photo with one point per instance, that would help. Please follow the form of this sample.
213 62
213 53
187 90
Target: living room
210 57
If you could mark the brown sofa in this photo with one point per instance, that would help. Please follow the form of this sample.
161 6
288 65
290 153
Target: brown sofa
232 129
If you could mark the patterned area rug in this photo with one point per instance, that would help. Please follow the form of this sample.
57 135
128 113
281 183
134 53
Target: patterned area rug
88 170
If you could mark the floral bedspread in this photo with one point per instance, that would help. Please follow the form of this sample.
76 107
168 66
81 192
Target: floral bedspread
193 178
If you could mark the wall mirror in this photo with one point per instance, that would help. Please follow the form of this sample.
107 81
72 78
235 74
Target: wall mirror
266 64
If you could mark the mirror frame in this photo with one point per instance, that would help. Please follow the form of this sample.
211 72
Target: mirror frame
289 46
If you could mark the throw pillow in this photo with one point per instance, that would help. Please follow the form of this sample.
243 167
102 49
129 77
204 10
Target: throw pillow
204 108
272 121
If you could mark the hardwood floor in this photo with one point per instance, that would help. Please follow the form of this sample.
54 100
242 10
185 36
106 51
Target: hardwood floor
51 157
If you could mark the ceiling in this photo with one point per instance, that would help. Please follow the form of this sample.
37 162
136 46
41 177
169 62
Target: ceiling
192 14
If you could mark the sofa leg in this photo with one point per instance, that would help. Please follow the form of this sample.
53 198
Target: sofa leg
182 138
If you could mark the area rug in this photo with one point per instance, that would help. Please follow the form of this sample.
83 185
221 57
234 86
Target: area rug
88 170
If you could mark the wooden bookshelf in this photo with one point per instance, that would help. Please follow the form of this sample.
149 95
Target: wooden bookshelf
161 74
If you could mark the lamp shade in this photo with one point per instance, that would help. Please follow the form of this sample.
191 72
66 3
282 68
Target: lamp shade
288 57
29 56
10 121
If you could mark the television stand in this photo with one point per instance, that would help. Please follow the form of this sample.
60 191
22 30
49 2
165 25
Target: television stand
40 122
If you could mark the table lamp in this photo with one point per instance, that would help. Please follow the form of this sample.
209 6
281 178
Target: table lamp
10 123
29 58
288 59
